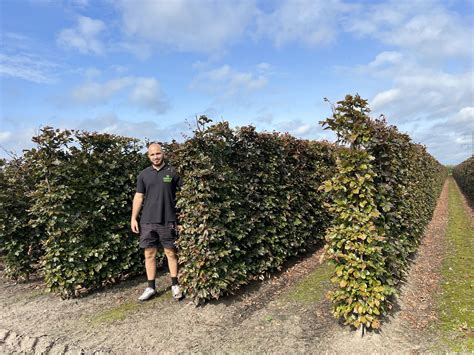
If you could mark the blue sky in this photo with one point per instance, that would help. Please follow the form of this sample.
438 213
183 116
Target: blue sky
146 68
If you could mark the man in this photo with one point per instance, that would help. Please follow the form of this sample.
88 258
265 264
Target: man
156 185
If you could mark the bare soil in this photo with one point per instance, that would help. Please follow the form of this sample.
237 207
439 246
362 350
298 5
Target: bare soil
258 319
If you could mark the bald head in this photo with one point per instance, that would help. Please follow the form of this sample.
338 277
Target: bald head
155 154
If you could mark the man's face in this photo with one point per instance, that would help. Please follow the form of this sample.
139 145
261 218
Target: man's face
155 154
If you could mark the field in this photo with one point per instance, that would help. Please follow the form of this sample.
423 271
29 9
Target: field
286 313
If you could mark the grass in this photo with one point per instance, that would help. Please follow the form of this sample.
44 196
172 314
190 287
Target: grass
123 310
313 287
456 302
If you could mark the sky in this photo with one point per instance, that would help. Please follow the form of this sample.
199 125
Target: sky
148 68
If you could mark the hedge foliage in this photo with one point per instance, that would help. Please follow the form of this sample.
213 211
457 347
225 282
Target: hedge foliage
382 197
20 243
84 184
464 175
250 201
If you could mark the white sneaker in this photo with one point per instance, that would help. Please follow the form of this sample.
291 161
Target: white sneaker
147 294
176 292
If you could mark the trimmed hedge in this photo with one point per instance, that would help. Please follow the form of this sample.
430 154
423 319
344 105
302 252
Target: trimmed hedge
249 202
464 175
20 243
383 195
85 184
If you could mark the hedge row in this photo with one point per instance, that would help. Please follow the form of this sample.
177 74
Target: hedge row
83 185
464 175
249 202
382 197
20 243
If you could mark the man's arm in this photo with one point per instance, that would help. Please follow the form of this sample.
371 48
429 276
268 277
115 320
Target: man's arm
136 207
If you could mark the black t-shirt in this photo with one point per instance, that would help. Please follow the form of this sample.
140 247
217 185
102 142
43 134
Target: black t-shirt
159 188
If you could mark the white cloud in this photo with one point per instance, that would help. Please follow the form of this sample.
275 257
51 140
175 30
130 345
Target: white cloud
187 25
15 139
299 128
83 37
226 81
386 58
93 92
466 114
384 98
27 67
5 136
423 26
312 22
419 92
142 92
111 123
147 94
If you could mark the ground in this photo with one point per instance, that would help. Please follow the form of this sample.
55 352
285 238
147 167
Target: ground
284 314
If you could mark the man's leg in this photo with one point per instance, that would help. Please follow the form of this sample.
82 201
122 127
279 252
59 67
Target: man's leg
173 266
172 261
150 263
150 267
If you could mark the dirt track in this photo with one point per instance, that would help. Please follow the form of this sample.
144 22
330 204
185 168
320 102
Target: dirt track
258 319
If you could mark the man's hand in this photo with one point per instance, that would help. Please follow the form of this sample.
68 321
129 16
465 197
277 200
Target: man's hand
134 225
136 206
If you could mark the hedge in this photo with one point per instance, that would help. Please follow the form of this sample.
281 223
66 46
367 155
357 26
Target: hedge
382 197
464 175
249 202
20 243
84 188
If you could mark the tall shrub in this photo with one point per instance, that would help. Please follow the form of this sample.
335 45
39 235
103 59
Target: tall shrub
464 175
382 196
83 197
249 202
20 242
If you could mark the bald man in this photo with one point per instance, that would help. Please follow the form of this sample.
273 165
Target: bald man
156 191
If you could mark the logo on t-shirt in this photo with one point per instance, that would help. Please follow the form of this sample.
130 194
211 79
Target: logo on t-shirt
167 179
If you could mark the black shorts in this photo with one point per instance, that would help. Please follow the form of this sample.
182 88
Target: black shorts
154 235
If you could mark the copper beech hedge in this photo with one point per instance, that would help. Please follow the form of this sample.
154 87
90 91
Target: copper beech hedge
464 175
382 197
250 201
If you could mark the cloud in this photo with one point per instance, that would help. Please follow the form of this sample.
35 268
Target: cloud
311 22
385 98
450 140
142 92
27 67
83 37
187 25
420 92
226 81
94 92
15 139
147 94
386 58
300 128
111 123
466 114
425 27
5 136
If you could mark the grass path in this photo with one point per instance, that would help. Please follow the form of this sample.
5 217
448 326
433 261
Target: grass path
456 301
